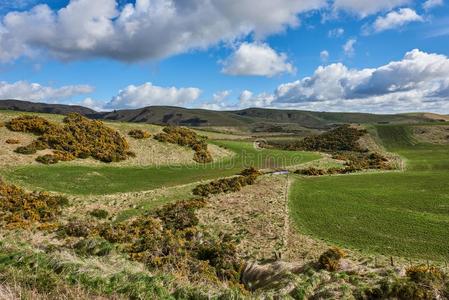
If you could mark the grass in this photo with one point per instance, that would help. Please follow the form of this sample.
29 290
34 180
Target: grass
98 180
397 213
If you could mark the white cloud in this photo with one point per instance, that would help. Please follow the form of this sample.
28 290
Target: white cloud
221 95
348 47
364 8
22 90
248 99
336 32
257 59
429 4
419 82
148 94
324 55
144 30
395 19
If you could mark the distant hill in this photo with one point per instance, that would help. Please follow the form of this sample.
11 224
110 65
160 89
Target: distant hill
250 118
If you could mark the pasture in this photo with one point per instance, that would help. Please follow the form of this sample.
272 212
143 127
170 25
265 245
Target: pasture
394 213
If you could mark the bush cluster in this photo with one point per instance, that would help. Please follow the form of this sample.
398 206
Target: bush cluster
186 137
226 185
12 141
139 134
99 213
342 138
78 137
357 161
166 239
422 283
330 260
19 209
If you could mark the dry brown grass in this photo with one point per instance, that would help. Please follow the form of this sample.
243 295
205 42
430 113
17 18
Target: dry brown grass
432 134
149 152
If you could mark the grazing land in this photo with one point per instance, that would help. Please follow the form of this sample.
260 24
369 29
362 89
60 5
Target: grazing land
162 224
403 213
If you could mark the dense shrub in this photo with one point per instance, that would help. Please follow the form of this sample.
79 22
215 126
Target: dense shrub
32 124
21 209
139 134
180 215
79 137
343 138
47 159
93 247
330 260
166 239
226 185
12 141
99 213
422 283
186 137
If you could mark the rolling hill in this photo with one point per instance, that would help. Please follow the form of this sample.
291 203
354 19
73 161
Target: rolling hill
250 118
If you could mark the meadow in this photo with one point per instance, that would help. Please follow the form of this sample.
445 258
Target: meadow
394 213
107 179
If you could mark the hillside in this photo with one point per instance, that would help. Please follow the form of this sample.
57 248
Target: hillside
254 119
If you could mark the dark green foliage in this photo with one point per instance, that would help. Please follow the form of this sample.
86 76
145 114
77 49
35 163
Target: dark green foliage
167 239
99 213
343 138
139 134
186 137
21 209
180 215
422 283
12 141
27 150
330 260
47 159
93 247
227 185
78 137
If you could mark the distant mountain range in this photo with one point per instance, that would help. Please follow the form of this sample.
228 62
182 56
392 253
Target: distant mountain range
252 118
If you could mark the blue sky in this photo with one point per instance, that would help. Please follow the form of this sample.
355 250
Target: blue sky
341 55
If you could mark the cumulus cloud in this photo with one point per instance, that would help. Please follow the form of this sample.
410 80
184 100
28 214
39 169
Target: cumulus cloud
22 90
257 59
144 30
324 55
348 47
365 8
420 81
249 99
395 19
148 94
429 4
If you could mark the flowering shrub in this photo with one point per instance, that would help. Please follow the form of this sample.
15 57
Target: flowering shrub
186 137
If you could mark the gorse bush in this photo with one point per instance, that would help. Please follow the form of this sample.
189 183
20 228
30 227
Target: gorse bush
167 239
19 209
343 138
227 185
186 137
12 141
421 283
47 159
330 260
31 124
78 137
139 134
99 213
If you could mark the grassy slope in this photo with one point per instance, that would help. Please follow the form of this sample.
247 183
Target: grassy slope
405 214
109 180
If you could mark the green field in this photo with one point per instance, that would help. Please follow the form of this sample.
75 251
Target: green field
109 180
396 213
